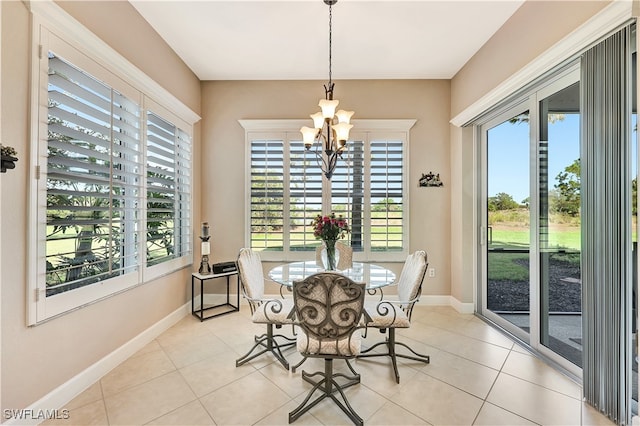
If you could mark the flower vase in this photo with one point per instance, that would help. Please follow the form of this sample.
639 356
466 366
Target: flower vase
330 255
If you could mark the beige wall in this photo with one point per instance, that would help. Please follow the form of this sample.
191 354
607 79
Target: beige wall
223 195
35 360
135 39
533 29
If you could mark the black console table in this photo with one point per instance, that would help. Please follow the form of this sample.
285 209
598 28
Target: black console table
216 309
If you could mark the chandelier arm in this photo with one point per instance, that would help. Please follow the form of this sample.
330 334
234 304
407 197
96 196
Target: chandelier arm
327 142
320 158
333 161
322 162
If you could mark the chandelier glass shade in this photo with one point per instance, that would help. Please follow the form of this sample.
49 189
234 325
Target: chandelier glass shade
330 131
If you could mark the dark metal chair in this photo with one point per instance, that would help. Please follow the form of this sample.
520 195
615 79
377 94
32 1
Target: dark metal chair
328 310
272 312
387 315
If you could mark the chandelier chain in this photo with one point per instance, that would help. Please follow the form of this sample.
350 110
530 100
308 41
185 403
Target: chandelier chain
330 32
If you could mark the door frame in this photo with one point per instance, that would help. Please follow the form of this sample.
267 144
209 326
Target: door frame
513 110
527 101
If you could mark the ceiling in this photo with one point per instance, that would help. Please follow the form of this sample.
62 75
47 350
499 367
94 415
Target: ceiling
289 40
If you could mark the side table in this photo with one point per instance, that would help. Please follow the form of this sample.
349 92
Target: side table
219 308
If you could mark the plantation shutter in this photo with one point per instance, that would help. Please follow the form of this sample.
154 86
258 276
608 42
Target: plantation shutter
267 197
347 192
168 191
387 199
305 196
92 179
183 190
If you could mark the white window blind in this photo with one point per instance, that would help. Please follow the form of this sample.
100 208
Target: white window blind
368 188
168 191
93 178
387 195
267 194
305 196
347 192
112 201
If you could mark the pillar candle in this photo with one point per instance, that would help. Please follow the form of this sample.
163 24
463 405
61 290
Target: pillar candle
205 248
205 229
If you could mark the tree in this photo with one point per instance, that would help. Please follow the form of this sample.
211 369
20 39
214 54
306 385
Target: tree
386 205
634 197
502 201
267 194
568 187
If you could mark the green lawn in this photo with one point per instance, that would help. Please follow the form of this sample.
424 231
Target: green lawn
504 266
519 238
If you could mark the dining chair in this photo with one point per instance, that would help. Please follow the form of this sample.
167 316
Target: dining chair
345 259
328 311
269 311
387 315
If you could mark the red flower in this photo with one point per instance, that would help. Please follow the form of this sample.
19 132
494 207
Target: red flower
329 227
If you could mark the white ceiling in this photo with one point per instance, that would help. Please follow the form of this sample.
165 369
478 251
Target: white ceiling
289 40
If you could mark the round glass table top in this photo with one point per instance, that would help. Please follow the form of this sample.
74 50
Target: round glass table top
374 276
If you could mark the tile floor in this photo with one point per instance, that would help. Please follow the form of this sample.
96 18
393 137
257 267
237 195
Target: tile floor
187 376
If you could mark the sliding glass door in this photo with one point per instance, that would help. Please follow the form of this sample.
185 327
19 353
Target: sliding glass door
530 235
559 225
507 215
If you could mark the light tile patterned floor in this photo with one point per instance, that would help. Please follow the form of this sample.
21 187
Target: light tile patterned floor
187 376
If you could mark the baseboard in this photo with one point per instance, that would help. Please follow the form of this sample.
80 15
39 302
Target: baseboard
64 393
433 300
461 307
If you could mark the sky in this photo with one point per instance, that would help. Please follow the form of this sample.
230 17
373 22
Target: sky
508 155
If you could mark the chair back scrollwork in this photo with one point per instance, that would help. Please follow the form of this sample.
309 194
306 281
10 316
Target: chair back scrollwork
328 308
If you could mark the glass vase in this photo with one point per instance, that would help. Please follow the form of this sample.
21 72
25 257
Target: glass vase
330 255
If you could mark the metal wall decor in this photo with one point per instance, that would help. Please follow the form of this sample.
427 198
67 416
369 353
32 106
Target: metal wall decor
8 158
430 179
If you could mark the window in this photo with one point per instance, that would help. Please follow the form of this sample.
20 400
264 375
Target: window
112 163
287 190
168 191
92 180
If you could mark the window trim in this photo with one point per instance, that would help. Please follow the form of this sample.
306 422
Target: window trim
52 25
262 127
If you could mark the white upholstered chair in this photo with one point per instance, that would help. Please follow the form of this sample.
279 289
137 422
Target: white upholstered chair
272 312
387 315
328 311
345 260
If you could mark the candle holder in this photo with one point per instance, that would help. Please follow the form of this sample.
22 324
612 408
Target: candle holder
205 248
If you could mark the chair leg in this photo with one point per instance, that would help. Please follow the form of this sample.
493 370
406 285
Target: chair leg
295 367
268 344
391 343
328 386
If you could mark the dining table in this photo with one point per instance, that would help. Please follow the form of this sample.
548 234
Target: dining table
375 277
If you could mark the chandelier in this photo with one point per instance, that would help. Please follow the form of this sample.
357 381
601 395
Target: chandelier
330 130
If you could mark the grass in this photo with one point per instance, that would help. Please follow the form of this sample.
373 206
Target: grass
382 235
503 267
519 238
